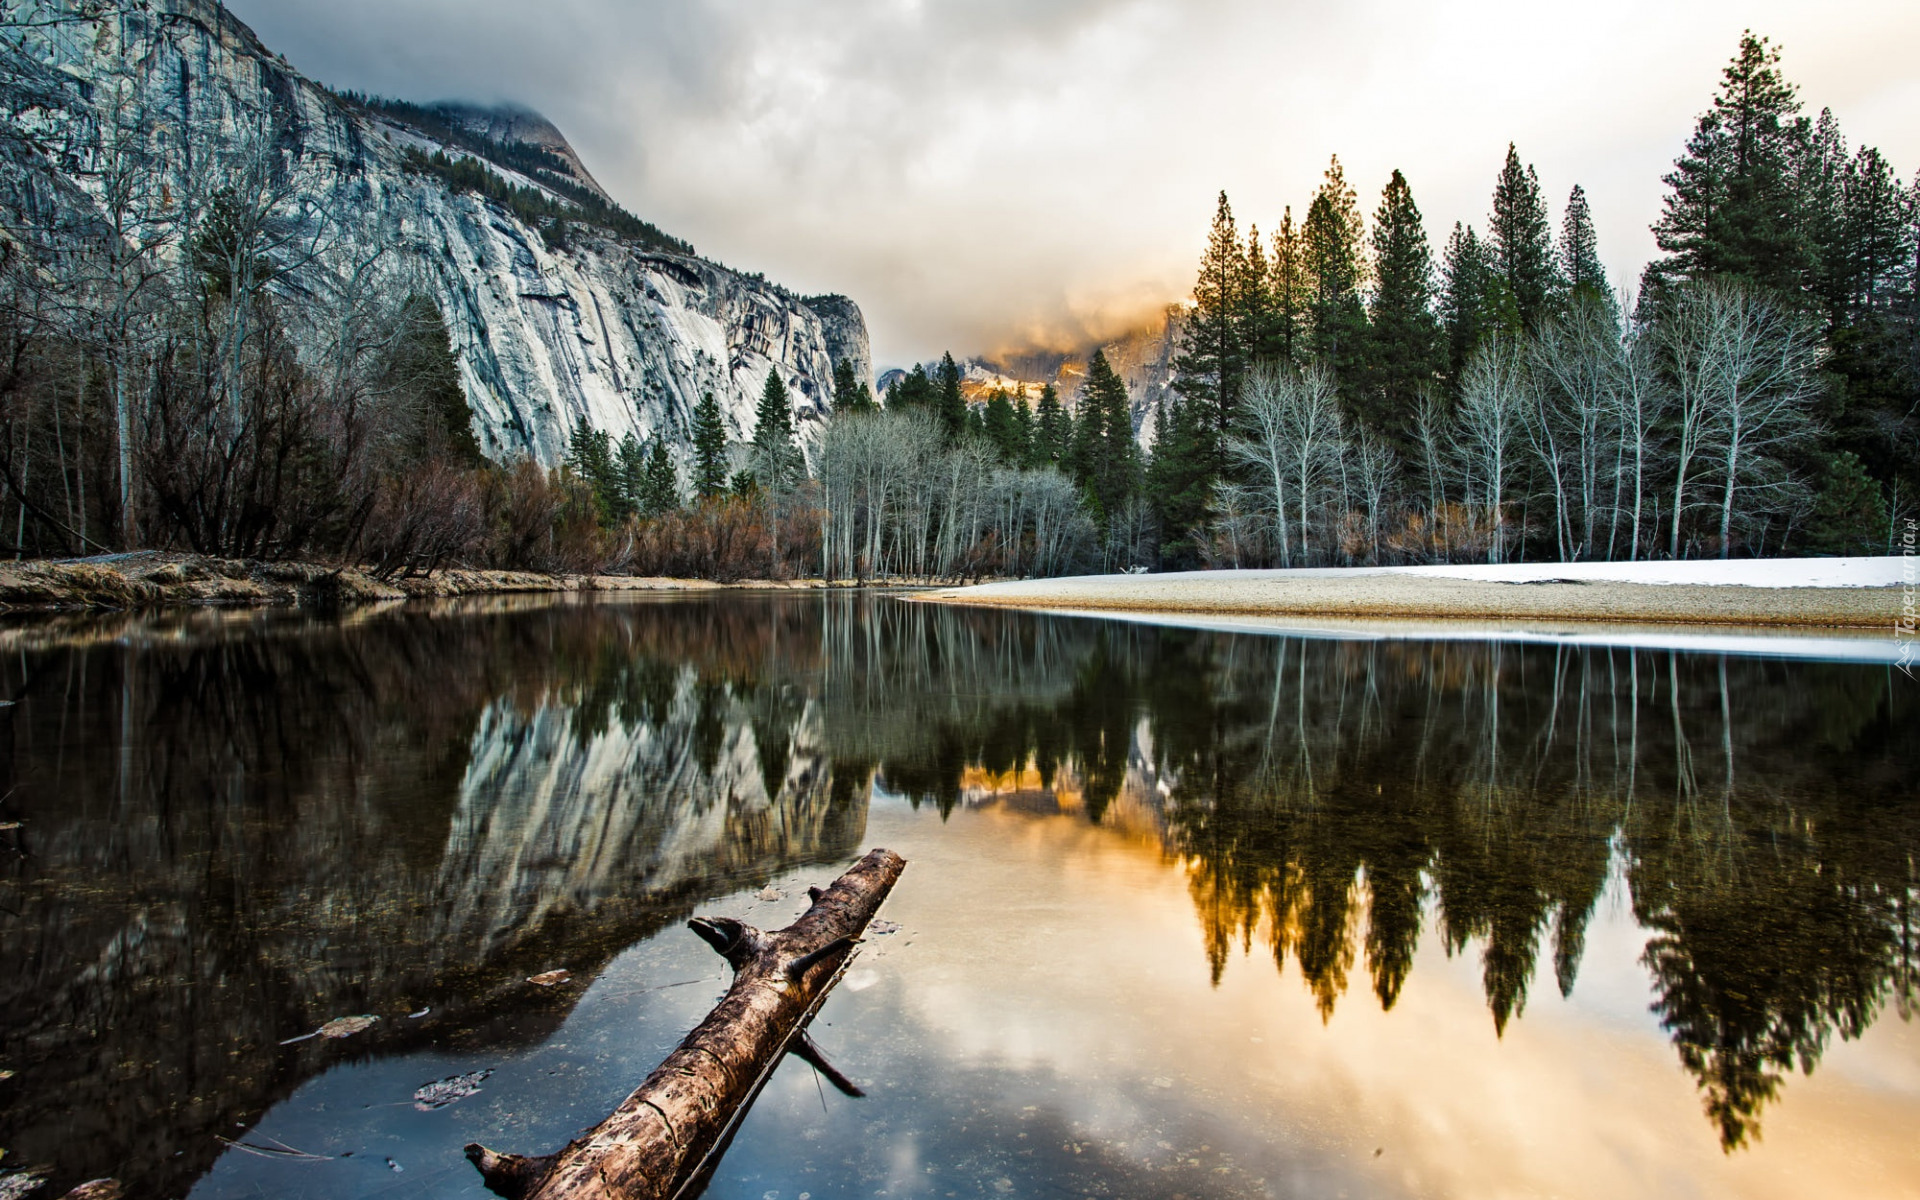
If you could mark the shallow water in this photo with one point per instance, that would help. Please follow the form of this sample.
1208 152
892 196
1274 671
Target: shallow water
1188 912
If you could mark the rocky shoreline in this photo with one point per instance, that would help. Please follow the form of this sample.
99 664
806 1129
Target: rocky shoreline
154 579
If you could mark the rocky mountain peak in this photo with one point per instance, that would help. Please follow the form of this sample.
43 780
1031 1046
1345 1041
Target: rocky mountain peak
516 125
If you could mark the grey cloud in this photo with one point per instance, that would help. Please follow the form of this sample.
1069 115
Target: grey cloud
984 172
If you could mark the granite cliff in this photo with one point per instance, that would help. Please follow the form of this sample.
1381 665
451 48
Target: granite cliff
627 331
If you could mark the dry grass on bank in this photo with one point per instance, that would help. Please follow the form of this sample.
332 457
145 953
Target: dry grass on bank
156 580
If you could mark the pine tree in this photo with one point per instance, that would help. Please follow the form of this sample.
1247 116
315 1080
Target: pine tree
659 487
1522 241
1336 270
1403 351
1119 451
1212 362
776 462
851 394
913 390
1757 108
421 364
1105 456
1052 431
1580 269
1257 318
1288 287
1820 176
1001 427
1867 277
709 448
1178 482
631 460
1877 260
1022 429
1467 308
590 456
1731 210
950 404
1689 224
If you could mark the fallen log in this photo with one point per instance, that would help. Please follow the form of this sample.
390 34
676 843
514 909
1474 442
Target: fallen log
665 1138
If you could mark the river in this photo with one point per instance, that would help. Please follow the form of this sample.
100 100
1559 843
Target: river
1188 912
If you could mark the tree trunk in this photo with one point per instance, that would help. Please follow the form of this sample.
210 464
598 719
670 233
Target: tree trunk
667 1135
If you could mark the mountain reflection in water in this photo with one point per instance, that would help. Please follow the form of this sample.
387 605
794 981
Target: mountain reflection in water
234 828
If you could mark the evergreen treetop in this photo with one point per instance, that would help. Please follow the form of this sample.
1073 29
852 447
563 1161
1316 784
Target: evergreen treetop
659 490
950 404
1403 352
851 394
709 448
1212 362
1580 265
1732 210
1467 309
777 464
1522 241
1336 270
1105 455
1052 430
1289 295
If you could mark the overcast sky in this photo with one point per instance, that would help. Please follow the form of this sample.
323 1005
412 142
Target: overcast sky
989 174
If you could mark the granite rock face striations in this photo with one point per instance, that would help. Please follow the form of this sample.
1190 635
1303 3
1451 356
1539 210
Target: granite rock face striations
552 319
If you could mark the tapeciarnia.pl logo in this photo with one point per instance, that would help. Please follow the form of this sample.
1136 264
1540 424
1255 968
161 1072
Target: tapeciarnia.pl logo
1904 627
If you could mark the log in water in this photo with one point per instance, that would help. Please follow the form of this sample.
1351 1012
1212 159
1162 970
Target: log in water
670 1132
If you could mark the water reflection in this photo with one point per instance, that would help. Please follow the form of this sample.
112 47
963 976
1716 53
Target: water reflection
1323 795
234 828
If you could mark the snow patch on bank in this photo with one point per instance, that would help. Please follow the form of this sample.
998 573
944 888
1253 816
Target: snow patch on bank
1885 571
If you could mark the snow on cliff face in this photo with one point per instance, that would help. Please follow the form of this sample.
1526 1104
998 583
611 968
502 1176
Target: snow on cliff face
625 336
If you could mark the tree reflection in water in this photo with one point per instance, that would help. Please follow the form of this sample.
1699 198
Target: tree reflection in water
1326 796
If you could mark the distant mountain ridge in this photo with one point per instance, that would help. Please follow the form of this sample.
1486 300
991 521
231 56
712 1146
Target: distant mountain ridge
1143 358
560 304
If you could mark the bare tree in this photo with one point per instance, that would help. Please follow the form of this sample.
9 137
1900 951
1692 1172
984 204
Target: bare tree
1641 400
1433 434
1377 468
1295 441
1266 448
1493 399
1575 363
1746 375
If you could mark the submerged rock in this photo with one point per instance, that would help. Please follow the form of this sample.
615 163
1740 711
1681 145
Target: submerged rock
453 1088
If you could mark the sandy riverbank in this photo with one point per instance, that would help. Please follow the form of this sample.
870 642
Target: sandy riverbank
1863 593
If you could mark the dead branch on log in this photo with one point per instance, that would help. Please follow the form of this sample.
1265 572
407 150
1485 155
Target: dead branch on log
665 1139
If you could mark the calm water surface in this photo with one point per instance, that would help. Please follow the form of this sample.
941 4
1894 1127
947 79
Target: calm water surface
1187 913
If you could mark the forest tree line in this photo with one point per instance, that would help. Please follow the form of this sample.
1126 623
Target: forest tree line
205 362
1345 395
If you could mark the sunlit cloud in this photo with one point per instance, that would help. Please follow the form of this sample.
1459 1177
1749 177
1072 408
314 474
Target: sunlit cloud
983 174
